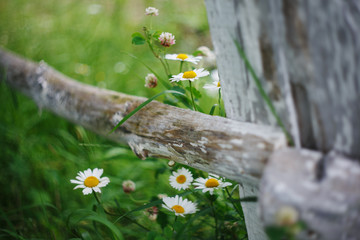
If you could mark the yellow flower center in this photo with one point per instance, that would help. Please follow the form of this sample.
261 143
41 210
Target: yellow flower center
181 179
189 74
211 183
91 181
218 84
178 209
182 56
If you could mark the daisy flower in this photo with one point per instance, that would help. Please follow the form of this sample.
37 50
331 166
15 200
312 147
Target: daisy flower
151 11
179 206
210 183
181 179
214 85
90 180
167 39
190 75
183 57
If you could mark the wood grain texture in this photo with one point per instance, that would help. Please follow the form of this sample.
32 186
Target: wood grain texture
236 150
307 56
324 190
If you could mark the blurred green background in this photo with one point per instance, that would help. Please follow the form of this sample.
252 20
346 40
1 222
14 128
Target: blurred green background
39 152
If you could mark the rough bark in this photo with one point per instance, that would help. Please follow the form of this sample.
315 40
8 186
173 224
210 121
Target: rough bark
236 150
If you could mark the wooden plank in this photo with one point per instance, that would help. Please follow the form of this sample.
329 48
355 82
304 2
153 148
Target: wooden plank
322 189
236 150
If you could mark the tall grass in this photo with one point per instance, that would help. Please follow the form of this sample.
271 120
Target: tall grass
40 153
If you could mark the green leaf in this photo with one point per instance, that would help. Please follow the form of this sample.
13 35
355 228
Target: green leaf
141 106
162 219
180 231
178 225
84 214
115 231
137 39
275 233
151 235
197 94
197 53
168 232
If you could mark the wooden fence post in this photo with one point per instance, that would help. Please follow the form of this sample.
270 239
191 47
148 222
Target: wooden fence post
307 56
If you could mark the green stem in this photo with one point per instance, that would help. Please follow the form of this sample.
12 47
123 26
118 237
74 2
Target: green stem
174 226
149 42
215 217
192 97
96 197
219 102
166 62
232 202
181 65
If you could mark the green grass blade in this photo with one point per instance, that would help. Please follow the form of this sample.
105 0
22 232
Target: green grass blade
262 91
12 234
141 106
166 84
212 110
115 231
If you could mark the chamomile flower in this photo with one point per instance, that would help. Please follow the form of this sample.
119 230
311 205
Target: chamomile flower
90 180
210 183
179 206
214 85
167 39
189 75
181 179
183 57
151 11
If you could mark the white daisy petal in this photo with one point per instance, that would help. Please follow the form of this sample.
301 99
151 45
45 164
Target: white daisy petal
88 173
79 186
87 191
183 58
96 189
82 176
76 181
189 75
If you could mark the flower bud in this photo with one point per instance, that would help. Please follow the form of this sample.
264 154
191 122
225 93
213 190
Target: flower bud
171 163
150 81
152 213
287 216
151 11
167 39
128 186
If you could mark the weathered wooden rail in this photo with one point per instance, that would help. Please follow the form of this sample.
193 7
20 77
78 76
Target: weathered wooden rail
222 146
